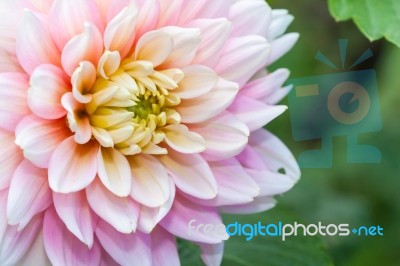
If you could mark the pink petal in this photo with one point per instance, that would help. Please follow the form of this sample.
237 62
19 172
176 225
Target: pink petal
119 34
121 213
36 253
183 218
48 84
9 63
29 194
154 46
150 183
214 34
74 210
259 205
280 22
208 106
282 45
250 18
34 43
148 16
235 185
39 138
124 248
222 146
150 217
87 46
72 166
76 13
274 153
186 42
10 157
192 9
114 171
15 243
198 80
13 103
164 250
62 247
182 140
211 254
169 12
243 57
253 113
191 174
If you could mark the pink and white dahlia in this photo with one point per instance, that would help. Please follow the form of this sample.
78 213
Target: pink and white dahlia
123 120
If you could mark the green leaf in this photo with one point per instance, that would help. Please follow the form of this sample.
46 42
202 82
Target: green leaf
263 250
375 18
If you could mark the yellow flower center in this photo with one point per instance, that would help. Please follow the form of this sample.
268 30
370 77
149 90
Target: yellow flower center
127 102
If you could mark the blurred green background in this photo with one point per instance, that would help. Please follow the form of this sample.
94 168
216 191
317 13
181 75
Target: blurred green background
358 194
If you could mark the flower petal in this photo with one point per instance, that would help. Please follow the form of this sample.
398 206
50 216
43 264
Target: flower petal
121 213
150 183
182 140
186 42
253 113
214 34
28 195
198 80
154 46
76 13
208 106
258 205
222 146
124 248
282 45
34 43
13 103
74 210
114 171
87 46
10 157
243 57
62 247
250 18
191 174
164 250
150 217
185 215
72 166
212 254
119 34
15 243
48 84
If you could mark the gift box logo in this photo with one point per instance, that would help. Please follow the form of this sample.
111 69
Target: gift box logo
339 104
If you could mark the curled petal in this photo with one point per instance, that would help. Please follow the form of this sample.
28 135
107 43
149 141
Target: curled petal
282 45
28 194
182 140
62 247
124 248
74 210
119 34
34 33
120 213
150 183
154 46
76 13
114 171
191 174
87 46
48 84
198 80
72 166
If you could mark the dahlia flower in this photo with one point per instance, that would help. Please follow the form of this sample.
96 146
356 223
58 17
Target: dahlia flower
122 120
